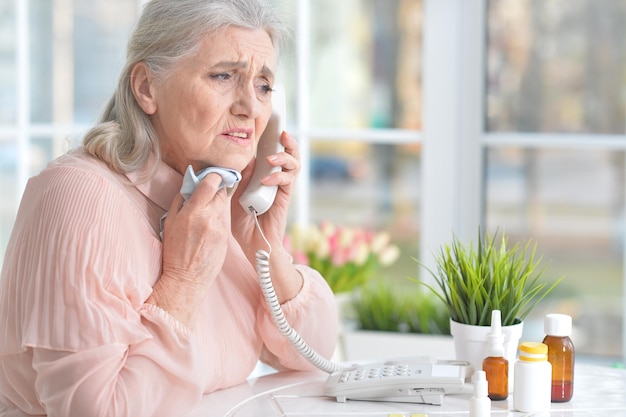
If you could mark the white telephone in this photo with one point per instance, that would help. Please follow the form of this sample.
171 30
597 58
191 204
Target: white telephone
413 380
259 197
418 380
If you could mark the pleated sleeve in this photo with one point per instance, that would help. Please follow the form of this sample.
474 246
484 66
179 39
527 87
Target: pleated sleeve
81 261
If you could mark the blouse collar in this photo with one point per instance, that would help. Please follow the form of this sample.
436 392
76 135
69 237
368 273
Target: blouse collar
162 187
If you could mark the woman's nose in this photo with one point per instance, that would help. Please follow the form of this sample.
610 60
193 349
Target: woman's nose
246 102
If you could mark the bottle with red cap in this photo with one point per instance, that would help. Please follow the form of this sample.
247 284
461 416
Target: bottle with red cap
558 328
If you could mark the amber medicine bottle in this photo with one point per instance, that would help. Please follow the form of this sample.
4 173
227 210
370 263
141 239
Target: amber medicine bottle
532 378
558 328
496 367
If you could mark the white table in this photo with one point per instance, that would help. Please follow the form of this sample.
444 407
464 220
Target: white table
598 392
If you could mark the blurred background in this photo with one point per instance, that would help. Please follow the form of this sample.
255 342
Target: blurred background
380 93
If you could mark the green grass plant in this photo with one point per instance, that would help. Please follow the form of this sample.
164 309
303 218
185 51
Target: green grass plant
474 281
381 306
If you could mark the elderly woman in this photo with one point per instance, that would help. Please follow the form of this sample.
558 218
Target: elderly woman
103 317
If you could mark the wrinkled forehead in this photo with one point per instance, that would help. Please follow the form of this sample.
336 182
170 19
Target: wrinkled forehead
241 49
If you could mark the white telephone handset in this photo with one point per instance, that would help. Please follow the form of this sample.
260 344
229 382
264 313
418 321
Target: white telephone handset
259 197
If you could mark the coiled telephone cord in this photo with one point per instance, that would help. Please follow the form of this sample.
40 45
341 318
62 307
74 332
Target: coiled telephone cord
265 280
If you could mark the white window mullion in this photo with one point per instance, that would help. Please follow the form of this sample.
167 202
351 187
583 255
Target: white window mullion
303 202
23 94
624 280
453 117
62 70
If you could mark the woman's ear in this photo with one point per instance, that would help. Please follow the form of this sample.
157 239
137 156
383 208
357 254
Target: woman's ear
141 82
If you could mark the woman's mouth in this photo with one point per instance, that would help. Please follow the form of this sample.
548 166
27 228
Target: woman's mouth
240 137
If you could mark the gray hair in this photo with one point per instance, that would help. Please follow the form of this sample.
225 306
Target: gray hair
167 31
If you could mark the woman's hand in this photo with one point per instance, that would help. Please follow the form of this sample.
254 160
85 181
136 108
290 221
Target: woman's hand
195 241
287 281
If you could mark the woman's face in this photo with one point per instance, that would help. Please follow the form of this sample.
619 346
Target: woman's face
212 109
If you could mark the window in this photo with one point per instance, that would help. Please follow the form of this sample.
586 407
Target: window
555 152
363 94
59 62
356 112
423 117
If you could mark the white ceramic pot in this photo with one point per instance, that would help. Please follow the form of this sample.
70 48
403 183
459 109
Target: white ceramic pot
470 344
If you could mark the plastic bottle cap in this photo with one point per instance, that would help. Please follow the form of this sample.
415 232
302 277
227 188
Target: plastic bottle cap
559 325
495 338
533 351
479 379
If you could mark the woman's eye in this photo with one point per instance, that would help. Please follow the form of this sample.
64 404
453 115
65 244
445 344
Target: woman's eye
265 90
222 77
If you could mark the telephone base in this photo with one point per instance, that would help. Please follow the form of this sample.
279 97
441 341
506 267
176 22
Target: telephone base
420 380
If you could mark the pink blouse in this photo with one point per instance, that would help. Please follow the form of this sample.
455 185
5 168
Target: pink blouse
77 339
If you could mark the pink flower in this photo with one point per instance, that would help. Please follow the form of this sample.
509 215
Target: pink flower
346 256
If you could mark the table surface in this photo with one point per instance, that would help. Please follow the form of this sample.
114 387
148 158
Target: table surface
598 392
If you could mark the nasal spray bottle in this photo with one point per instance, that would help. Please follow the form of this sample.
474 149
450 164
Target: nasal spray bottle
480 404
495 365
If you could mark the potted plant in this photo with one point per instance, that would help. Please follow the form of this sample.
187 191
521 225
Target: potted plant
391 321
472 281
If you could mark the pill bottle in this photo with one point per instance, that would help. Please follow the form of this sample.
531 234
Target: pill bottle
558 328
496 367
480 404
532 378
